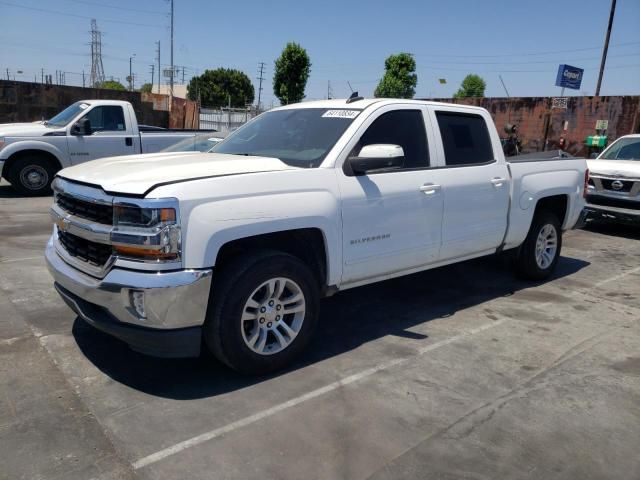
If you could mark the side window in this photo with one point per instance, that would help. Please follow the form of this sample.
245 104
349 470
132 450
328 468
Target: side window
465 138
107 118
399 127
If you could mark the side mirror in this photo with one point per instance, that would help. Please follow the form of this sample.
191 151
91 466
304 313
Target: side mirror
594 155
380 156
82 127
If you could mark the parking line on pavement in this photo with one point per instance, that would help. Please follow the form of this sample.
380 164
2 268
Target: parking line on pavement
617 277
205 437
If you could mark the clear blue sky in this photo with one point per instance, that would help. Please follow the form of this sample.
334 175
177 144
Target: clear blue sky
346 40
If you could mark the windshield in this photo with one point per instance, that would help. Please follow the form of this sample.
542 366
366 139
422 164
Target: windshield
68 114
199 143
623 149
300 137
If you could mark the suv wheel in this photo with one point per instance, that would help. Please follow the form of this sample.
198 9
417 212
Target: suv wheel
262 312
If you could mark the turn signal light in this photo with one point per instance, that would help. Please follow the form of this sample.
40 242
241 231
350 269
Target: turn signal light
145 253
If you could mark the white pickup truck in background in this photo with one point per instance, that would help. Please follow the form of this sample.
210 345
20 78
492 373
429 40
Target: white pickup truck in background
32 153
237 246
614 183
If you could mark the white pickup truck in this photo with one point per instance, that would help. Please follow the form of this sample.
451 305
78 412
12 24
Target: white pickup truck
32 153
236 247
614 183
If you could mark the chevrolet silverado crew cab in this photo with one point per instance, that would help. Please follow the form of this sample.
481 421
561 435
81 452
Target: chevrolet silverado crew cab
32 153
614 183
233 249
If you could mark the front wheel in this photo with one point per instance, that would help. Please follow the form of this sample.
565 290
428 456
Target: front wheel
538 255
32 175
262 312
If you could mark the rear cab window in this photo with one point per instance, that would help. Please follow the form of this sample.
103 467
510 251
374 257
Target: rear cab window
465 138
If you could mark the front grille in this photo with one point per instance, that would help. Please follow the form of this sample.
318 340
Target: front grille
626 185
85 250
96 212
613 202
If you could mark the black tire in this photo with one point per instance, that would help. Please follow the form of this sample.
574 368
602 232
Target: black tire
32 167
222 330
525 260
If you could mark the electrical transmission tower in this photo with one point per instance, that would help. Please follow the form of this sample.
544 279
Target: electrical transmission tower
97 70
260 78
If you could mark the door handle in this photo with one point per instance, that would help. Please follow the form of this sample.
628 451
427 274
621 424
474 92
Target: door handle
498 182
430 188
128 141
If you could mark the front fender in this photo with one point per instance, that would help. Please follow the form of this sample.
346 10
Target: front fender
211 225
22 145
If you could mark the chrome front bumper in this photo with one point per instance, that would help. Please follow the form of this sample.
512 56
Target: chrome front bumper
170 300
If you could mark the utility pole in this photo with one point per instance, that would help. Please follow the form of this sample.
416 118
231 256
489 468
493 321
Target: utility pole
606 47
183 75
159 69
171 58
42 75
83 84
153 68
8 74
260 78
130 74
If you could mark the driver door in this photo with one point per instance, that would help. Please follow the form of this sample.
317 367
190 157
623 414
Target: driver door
110 136
392 220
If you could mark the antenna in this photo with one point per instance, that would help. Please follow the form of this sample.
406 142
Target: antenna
350 86
97 70
354 98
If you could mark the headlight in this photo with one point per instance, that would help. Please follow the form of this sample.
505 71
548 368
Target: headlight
151 234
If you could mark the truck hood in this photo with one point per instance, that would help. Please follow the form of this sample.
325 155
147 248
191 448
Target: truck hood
615 168
138 174
23 129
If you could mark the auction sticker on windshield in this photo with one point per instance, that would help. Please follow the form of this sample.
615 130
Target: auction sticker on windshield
341 113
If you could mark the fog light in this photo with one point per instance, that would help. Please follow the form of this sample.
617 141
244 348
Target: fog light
137 302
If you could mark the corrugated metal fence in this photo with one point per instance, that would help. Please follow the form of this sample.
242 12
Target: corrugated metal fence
224 120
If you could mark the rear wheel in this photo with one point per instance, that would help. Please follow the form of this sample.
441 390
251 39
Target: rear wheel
262 313
32 175
538 255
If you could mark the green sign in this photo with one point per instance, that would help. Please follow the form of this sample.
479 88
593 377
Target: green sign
596 141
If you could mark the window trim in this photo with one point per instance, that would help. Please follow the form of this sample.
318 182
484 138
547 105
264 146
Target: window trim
373 117
436 111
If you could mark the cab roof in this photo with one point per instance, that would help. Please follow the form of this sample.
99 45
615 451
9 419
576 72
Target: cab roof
367 102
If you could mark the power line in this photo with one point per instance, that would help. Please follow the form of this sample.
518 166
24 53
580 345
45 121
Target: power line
77 16
118 7
526 53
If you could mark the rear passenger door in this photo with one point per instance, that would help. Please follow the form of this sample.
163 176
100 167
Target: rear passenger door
475 185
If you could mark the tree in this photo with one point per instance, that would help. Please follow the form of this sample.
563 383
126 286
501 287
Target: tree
214 87
291 74
111 85
146 88
399 80
472 86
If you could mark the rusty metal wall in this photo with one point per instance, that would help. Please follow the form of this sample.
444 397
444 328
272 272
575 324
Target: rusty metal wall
541 126
28 102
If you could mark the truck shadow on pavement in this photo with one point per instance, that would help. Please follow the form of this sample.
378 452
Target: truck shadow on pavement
347 320
7 191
